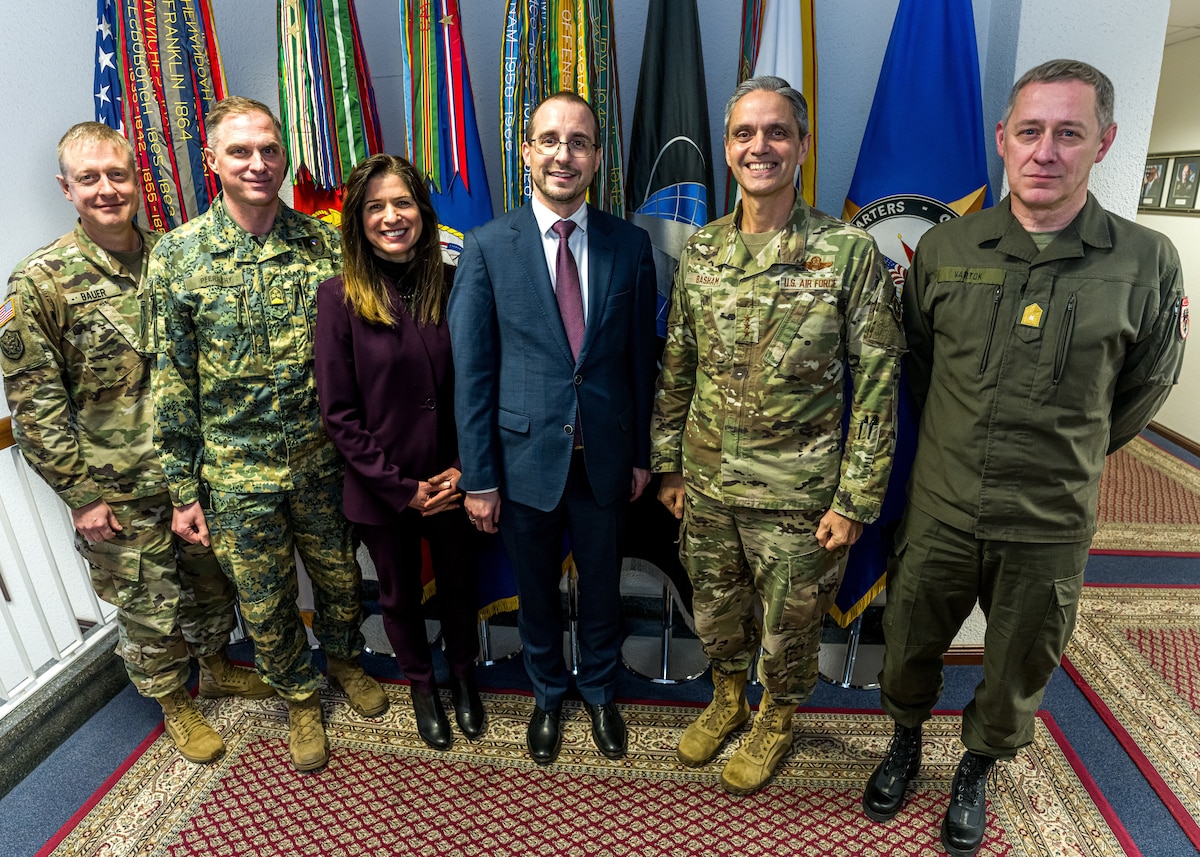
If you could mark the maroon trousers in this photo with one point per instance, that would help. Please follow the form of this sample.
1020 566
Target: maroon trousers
395 549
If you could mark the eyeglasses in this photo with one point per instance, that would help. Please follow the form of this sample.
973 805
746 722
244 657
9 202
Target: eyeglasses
575 148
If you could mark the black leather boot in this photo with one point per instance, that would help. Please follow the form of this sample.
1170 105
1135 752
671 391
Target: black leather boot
966 818
884 794
468 707
432 725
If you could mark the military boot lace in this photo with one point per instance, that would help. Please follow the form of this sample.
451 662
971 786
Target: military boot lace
903 751
970 784
363 693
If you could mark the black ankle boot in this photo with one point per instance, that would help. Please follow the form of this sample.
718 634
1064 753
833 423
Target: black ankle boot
884 794
966 818
432 725
468 707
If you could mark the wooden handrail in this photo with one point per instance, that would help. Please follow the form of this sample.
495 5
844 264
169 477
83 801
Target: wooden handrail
6 435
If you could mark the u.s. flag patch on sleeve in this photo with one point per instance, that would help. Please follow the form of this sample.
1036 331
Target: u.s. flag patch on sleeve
6 312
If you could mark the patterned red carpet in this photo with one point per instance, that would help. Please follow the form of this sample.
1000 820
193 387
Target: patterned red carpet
1149 503
1136 655
384 793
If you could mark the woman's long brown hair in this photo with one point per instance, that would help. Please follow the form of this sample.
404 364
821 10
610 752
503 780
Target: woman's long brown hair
362 277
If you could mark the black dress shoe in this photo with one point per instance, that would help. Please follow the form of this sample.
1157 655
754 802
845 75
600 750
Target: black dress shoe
468 707
966 817
608 730
544 736
432 725
884 794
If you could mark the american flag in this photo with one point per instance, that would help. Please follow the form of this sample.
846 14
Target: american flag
108 79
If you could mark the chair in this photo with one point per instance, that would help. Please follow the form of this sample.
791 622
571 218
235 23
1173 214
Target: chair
662 658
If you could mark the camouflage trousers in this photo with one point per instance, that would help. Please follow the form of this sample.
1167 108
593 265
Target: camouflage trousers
172 599
738 558
256 538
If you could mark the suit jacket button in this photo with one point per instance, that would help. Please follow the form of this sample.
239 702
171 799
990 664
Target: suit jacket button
578 380
429 403
569 429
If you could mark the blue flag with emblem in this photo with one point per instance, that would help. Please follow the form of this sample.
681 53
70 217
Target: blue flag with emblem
903 184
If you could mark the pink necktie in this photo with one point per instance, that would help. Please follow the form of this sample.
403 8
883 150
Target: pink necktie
570 298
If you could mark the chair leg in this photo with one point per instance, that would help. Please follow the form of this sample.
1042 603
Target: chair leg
664 660
668 625
573 622
497 645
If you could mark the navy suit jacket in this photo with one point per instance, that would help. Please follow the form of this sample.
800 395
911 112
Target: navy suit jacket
518 388
387 397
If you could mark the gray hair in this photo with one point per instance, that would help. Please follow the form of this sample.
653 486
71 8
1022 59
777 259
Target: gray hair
770 83
1055 71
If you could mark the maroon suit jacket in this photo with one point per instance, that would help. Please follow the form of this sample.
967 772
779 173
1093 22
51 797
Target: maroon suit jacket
387 398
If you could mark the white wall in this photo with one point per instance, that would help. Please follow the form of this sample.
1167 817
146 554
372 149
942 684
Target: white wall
1177 129
1126 47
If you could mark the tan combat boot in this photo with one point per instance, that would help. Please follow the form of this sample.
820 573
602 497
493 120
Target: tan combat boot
729 709
365 695
196 740
218 678
768 742
306 734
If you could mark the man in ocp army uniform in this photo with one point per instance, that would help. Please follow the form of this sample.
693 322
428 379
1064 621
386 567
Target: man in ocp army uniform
773 307
237 422
73 347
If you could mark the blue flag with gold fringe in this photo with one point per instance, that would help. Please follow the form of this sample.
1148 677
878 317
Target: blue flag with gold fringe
903 184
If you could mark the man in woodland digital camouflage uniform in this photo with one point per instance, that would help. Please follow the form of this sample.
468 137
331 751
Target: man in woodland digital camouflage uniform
773 308
76 367
237 422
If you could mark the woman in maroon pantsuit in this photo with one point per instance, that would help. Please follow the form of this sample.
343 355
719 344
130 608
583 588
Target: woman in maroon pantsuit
386 387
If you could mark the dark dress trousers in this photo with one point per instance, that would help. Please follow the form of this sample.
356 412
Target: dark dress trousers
518 393
386 395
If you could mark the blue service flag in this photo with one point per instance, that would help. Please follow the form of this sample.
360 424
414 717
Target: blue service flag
905 183
107 78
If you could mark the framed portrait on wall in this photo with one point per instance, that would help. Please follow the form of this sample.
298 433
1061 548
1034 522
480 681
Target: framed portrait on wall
1181 191
1154 182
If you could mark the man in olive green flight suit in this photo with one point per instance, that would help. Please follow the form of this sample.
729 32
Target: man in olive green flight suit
1044 335
73 347
773 306
237 422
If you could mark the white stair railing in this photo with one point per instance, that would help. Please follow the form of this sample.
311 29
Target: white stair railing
49 614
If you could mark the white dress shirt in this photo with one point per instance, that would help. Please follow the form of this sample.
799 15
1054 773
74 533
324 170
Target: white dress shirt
577 242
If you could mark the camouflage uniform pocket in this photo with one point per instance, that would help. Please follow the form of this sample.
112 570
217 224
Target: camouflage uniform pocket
116 571
815 328
793 592
109 355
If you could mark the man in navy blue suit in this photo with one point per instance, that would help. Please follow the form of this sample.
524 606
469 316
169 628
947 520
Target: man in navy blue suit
552 330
